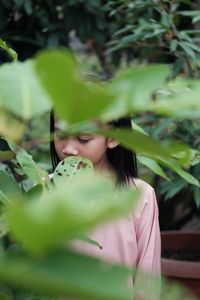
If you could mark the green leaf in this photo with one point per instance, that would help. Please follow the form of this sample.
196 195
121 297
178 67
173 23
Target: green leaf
10 51
182 102
6 155
187 49
65 212
63 273
71 167
8 187
142 144
10 126
26 98
30 168
152 165
194 157
197 196
137 127
185 175
165 19
161 152
173 45
189 13
73 99
87 239
3 227
5 296
196 19
129 92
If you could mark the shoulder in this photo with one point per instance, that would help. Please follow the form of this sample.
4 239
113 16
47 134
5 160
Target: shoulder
143 185
147 198
145 189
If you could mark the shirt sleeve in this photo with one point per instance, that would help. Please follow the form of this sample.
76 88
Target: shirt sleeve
148 232
147 284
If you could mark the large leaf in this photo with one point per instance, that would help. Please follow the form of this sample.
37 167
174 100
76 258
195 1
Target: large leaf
181 100
152 165
147 146
133 89
21 91
64 273
67 211
73 99
161 152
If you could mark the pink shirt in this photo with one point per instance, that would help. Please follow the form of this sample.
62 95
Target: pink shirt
133 240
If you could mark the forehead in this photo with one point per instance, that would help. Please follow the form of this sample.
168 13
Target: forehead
88 128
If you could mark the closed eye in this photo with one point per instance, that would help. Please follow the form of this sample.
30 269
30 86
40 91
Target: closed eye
83 140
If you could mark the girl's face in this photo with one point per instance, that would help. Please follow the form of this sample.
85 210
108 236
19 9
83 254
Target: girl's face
89 146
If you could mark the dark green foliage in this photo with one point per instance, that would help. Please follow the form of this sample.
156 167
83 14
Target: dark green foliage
32 25
157 31
153 31
183 199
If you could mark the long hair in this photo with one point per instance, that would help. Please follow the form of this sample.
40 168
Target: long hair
122 160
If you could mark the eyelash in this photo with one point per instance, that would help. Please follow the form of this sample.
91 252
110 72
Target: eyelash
82 141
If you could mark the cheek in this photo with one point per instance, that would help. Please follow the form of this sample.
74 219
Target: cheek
95 152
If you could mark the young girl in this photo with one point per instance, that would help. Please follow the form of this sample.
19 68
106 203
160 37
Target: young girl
133 241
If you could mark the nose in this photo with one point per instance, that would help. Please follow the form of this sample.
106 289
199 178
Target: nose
69 148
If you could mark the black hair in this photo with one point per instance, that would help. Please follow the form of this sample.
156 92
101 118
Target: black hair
122 160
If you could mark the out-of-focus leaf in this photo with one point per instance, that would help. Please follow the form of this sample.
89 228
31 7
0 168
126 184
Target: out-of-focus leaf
194 156
73 99
10 127
197 196
175 291
130 93
63 273
147 146
173 45
3 227
169 189
152 165
5 296
187 49
6 155
182 104
67 211
160 152
8 187
189 13
27 97
71 167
